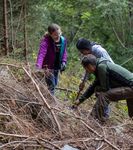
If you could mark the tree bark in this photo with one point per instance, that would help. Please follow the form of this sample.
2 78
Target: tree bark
130 21
25 31
12 30
5 26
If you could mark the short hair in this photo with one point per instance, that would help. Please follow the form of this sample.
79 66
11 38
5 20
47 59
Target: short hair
83 44
89 60
53 27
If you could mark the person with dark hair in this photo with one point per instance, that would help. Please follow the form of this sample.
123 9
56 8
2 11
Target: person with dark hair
86 47
112 83
52 55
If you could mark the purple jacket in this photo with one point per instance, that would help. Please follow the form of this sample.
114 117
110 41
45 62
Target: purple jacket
46 54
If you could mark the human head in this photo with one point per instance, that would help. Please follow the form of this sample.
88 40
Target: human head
89 63
84 46
55 31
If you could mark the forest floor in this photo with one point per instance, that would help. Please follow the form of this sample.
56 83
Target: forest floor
32 119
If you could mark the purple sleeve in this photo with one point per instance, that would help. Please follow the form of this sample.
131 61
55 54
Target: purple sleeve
42 52
64 58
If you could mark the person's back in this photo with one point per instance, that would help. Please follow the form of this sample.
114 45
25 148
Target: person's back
98 51
113 75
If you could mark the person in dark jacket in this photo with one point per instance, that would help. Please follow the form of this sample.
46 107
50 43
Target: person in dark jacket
52 55
86 47
112 83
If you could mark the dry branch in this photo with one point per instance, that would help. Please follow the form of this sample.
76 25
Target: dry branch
44 101
13 135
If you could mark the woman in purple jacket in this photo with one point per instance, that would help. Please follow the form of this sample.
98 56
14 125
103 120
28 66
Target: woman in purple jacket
52 55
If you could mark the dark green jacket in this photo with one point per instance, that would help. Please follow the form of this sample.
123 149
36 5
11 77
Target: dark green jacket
108 76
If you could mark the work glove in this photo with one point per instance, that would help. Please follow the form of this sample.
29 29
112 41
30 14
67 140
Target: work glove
63 67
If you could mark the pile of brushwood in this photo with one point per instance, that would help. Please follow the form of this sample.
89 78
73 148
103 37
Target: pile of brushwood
30 118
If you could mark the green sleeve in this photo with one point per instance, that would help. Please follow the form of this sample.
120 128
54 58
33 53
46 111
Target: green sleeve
103 77
90 90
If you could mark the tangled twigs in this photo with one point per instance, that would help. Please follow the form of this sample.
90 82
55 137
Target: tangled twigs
27 139
40 139
104 139
44 101
90 128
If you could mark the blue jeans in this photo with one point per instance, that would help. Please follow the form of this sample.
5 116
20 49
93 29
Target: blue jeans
52 81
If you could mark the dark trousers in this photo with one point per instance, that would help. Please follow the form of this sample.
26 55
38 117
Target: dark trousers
115 94
52 80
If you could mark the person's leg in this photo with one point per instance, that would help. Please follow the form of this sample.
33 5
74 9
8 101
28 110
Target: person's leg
123 93
130 107
103 98
50 80
56 77
101 108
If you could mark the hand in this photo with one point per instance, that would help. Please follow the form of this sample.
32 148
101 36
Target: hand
47 72
76 104
39 73
63 67
97 94
81 86
37 69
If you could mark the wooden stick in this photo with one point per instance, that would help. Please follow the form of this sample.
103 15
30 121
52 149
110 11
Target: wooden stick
13 135
66 90
78 140
44 101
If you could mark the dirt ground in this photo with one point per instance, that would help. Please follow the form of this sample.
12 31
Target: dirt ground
32 119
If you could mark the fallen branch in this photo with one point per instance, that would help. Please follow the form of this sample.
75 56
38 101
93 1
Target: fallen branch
44 100
13 135
5 64
5 114
66 90
13 143
77 140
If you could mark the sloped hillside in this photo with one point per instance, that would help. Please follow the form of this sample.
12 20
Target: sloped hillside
30 118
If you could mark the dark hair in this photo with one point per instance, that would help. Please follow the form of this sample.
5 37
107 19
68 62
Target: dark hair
83 44
89 60
53 27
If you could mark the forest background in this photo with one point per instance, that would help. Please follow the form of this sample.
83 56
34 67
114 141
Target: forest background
110 23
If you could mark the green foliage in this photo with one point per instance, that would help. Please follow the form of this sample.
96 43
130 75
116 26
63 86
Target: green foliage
122 107
106 22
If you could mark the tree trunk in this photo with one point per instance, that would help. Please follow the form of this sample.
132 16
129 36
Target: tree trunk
12 31
130 22
5 26
25 32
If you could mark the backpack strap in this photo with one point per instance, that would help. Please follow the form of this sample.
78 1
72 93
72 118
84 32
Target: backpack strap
62 47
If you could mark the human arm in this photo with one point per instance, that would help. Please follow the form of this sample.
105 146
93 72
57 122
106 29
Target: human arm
90 90
42 52
64 56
